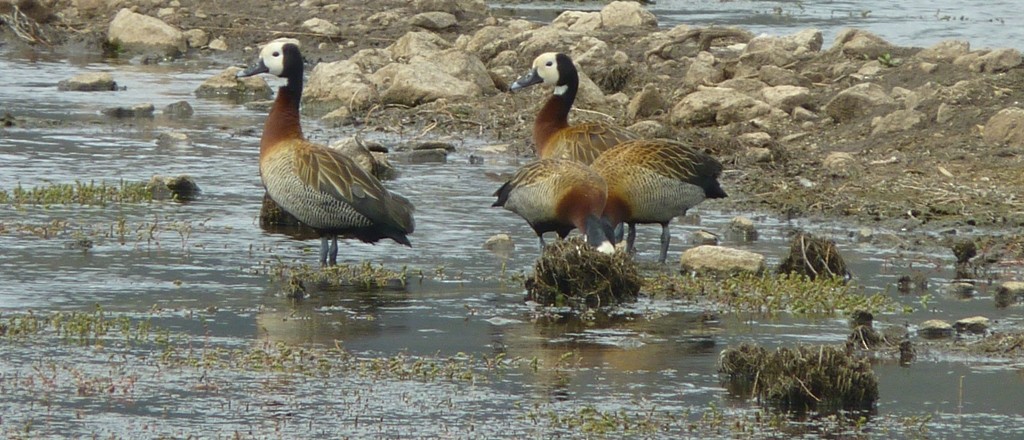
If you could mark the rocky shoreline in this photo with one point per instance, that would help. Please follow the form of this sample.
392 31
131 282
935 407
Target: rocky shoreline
894 138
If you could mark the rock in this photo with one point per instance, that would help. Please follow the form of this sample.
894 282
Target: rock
750 63
488 41
703 71
227 85
433 155
173 139
459 8
180 109
500 244
578 21
864 235
962 290
135 111
722 260
805 41
1006 128
340 83
196 38
861 44
974 324
777 76
547 39
322 27
935 329
999 60
417 43
648 102
450 75
897 121
218 44
357 150
371 60
627 14
88 82
703 237
133 31
857 101
716 105
1008 293
434 20
651 129
741 229
801 114
839 163
757 139
182 187
748 86
786 97
945 51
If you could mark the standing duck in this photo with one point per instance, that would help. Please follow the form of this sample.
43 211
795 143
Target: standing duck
559 195
321 187
552 134
654 181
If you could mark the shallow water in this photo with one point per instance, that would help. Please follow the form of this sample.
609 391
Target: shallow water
201 272
915 23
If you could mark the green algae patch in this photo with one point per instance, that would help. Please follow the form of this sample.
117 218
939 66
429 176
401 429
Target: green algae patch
78 193
772 293
571 273
299 280
801 378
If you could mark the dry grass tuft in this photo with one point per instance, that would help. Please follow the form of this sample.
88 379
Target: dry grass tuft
571 273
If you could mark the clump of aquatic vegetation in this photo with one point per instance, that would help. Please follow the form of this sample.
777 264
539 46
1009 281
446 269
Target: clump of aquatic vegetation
571 273
801 378
91 193
298 279
773 293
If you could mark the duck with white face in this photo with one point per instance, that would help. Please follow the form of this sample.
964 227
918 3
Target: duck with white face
553 137
319 186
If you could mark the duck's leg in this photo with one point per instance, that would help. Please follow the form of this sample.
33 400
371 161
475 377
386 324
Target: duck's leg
620 230
334 250
631 238
665 237
541 237
323 250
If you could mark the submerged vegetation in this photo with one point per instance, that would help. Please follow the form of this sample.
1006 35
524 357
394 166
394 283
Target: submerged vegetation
80 193
773 293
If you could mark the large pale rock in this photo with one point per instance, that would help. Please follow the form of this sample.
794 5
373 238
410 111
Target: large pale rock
433 20
418 83
935 329
547 39
340 83
974 324
945 51
704 71
857 101
646 103
227 85
578 21
807 40
371 60
786 97
1006 128
417 43
88 82
722 260
135 31
1008 293
777 76
627 14
320 26
999 60
751 62
459 8
897 121
839 163
716 106
488 41
858 43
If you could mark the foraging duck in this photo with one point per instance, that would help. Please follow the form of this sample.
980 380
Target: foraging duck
559 195
654 181
552 134
321 187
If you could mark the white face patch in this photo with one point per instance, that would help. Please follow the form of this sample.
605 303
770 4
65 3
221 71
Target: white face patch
273 55
547 68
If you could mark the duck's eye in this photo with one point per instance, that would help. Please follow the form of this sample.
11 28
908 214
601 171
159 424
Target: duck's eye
549 63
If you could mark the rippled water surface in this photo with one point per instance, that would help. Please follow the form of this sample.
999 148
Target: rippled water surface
199 269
